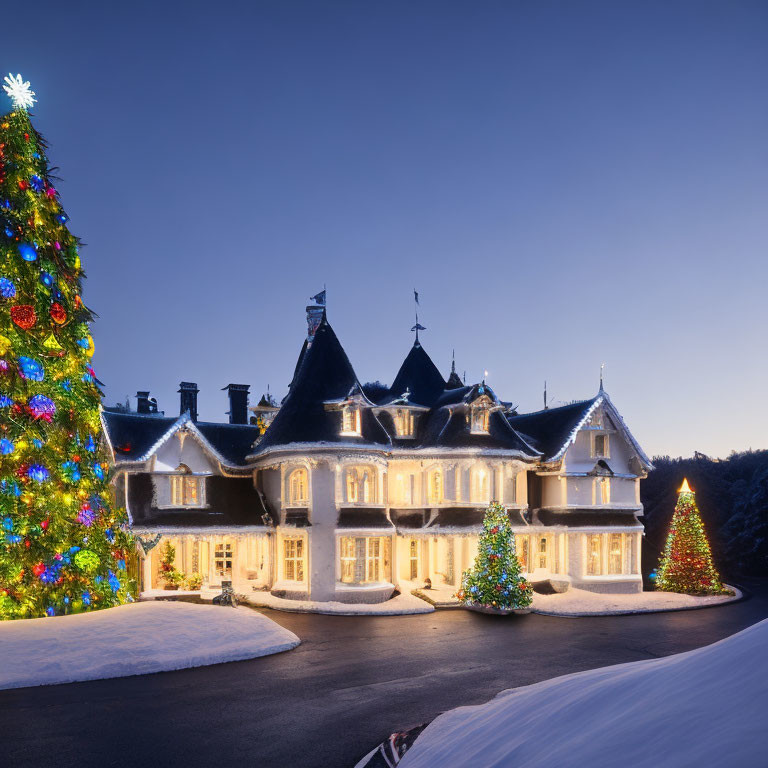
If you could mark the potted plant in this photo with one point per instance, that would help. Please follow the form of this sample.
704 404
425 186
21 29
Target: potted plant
194 581
170 577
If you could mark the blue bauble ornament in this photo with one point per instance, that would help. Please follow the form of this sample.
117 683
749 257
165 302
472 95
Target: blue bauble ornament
31 369
7 288
28 252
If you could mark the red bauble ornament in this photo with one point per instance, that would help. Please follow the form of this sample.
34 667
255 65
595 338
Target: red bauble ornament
38 569
24 316
58 313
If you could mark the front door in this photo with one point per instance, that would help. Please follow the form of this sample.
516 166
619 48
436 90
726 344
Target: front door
222 562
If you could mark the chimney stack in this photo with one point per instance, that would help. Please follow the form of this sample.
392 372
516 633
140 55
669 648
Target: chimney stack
188 391
238 403
145 403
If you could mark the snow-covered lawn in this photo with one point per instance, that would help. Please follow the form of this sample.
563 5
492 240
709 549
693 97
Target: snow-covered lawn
579 602
133 639
401 605
702 708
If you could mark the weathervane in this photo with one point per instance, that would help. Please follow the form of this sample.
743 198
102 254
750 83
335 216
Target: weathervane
418 327
19 91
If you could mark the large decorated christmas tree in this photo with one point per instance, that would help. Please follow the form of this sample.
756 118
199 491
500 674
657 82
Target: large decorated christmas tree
686 565
63 548
495 582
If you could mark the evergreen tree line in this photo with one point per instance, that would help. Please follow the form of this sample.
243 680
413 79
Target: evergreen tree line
732 496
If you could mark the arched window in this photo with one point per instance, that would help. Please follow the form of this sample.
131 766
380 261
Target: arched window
350 420
360 485
298 487
480 484
365 487
435 486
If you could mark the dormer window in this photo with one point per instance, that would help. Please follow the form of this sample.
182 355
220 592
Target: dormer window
600 447
186 489
480 418
350 420
403 422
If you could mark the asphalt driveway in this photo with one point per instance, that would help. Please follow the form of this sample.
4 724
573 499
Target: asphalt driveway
351 683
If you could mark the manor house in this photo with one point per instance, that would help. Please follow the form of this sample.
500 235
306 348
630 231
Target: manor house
345 492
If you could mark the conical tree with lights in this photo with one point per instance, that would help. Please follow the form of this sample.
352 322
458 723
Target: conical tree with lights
495 581
63 548
686 565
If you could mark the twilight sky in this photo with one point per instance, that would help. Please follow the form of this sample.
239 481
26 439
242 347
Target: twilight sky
565 183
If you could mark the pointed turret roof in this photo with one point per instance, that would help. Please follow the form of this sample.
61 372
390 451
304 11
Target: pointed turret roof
420 376
324 374
454 380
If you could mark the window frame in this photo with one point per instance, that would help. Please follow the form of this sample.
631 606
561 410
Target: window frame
351 420
404 423
605 437
296 558
293 499
475 485
185 485
364 560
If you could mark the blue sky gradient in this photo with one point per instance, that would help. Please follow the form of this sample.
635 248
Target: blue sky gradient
565 183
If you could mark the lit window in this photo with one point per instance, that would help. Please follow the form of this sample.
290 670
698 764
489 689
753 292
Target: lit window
351 486
350 420
480 419
222 558
414 557
293 564
522 547
543 560
600 446
435 487
186 489
298 492
359 485
604 486
364 559
594 555
479 478
403 422
615 565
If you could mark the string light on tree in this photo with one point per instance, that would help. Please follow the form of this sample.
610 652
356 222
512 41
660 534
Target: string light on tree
63 548
686 565
495 581
19 91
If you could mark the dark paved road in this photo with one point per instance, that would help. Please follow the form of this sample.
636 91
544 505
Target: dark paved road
353 681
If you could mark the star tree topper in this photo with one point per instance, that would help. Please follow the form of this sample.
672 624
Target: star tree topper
19 91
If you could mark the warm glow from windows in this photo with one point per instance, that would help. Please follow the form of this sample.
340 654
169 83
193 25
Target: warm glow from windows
186 489
604 490
350 420
610 554
364 559
293 560
298 490
480 417
480 486
435 487
359 483
403 422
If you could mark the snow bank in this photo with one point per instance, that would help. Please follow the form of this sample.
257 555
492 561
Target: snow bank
133 639
579 602
705 707
403 604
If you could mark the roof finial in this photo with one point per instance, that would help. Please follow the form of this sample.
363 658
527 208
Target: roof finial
418 327
453 361
602 368
545 394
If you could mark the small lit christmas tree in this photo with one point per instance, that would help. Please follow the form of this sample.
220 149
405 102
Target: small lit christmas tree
496 581
63 548
686 565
